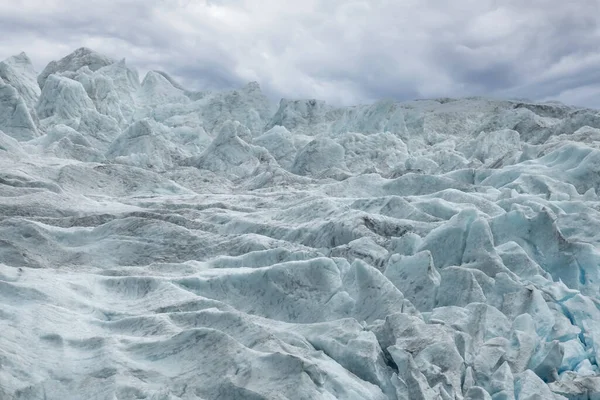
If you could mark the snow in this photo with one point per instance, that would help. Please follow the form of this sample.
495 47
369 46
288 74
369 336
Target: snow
162 243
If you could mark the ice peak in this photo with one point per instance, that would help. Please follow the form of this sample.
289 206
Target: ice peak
64 98
18 72
169 78
158 89
20 64
252 87
19 59
81 57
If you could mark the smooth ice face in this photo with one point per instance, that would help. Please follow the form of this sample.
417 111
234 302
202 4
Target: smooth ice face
162 243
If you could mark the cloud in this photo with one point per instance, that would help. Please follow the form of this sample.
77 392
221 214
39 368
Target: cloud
345 52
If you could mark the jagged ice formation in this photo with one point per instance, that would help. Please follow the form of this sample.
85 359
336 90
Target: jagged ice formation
160 243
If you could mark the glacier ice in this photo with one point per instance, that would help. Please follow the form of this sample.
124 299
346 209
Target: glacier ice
15 117
165 243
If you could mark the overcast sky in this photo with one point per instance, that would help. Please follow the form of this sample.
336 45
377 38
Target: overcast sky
345 52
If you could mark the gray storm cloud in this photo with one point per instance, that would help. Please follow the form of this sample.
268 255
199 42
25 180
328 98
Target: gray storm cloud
344 52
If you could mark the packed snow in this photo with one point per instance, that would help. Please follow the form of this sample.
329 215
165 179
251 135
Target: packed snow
161 243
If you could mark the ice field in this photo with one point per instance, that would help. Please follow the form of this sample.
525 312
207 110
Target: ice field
160 243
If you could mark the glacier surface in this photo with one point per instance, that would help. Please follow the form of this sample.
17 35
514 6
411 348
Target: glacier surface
161 243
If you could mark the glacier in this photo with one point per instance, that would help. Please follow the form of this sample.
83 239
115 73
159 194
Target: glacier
164 243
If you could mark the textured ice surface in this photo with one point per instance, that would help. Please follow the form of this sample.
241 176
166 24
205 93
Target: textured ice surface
159 243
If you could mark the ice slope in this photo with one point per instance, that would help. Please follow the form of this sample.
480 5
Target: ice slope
160 243
18 72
